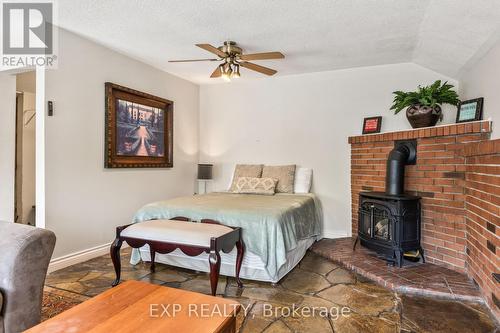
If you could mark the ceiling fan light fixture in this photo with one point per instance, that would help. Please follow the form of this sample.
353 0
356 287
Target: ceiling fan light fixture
227 72
232 58
236 73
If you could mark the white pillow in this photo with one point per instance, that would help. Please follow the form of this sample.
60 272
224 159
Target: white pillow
303 180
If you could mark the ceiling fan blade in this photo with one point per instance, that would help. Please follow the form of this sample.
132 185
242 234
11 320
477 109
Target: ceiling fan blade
212 49
262 56
193 60
258 68
216 73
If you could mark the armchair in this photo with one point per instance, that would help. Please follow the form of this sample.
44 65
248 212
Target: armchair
24 259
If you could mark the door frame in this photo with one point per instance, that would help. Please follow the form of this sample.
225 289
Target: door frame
40 147
39 143
18 142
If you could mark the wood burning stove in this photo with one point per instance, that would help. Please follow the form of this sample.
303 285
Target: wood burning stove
389 225
389 222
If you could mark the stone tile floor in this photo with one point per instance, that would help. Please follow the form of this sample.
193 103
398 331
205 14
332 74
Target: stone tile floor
316 284
415 278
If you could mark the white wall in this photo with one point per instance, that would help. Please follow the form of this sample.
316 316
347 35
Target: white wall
26 82
483 80
84 201
304 119
7 145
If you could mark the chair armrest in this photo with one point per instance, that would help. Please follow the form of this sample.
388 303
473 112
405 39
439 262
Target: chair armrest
26 253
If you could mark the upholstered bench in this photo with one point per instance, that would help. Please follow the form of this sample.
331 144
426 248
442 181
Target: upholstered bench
192 238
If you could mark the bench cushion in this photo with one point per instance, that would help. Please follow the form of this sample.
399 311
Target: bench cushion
179 232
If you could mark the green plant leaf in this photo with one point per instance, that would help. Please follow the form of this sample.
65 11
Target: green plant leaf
431 96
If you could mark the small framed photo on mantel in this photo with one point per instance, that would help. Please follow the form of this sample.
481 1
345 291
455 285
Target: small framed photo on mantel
470 110
372 125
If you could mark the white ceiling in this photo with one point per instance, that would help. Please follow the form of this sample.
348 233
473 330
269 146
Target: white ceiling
315 35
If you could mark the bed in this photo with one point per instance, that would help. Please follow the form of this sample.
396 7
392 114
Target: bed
277 230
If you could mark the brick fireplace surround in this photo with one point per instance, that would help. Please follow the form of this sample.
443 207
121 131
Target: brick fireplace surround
457 176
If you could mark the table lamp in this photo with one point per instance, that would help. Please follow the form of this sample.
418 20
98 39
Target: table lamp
204 176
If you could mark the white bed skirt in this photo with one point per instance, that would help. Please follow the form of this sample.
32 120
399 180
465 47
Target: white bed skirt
252 268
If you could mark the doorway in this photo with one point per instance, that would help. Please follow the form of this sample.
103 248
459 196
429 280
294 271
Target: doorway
25 166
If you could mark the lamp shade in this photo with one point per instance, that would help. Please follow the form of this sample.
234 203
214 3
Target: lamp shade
205 171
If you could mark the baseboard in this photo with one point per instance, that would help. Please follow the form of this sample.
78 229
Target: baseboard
335 234
80 256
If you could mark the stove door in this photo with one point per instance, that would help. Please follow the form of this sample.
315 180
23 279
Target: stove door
375 221
365 219
381 223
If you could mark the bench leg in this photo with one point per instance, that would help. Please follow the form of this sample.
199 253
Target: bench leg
152 253
115 257
214 260
240 248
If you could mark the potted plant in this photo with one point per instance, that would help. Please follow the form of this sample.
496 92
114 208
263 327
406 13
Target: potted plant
424 105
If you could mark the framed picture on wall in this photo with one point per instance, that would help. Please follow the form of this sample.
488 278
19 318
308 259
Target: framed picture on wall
139 129
470 110
372 125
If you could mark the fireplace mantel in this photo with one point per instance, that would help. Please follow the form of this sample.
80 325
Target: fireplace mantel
482 126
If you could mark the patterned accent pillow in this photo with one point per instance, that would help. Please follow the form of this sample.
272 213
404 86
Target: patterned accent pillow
285 175
245 170
252 185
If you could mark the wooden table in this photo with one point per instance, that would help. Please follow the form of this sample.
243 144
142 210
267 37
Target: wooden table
135 306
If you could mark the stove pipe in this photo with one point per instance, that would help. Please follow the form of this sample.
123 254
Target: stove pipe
404 153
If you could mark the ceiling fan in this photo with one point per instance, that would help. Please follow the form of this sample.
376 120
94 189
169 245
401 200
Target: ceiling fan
231 57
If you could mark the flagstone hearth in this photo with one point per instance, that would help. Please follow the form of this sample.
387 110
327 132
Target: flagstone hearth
415 278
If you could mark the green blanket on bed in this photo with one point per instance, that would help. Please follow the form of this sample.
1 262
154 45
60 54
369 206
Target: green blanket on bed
272 225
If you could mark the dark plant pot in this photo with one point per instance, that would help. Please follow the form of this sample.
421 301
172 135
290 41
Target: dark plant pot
423 116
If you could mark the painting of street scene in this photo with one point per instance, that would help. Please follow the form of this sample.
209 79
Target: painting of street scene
140 130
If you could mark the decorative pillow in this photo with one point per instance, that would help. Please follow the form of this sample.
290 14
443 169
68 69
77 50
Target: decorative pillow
303 180
285 175
252 185
245 170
